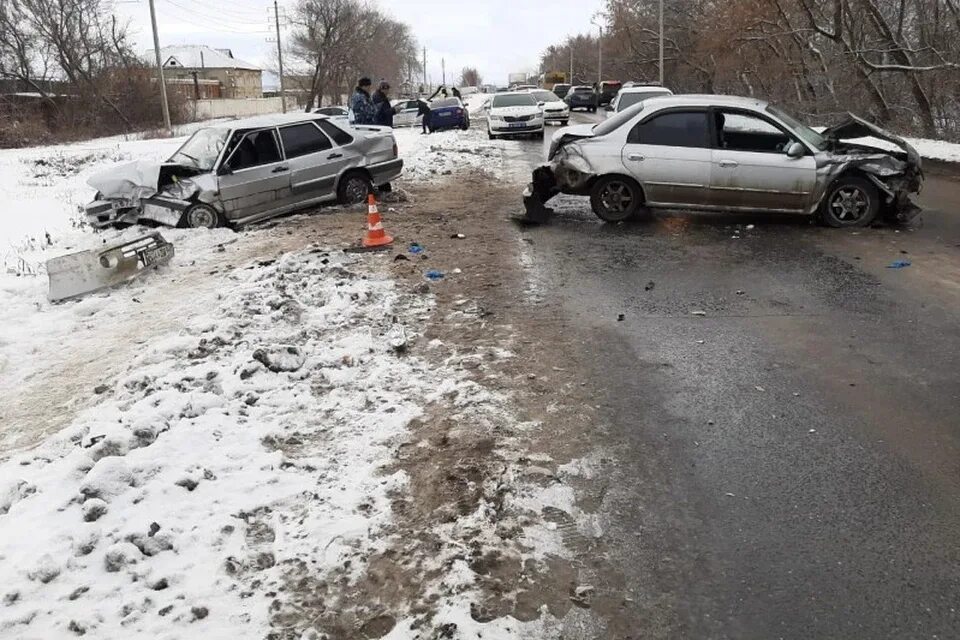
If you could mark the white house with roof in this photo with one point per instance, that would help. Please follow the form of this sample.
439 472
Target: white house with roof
216 73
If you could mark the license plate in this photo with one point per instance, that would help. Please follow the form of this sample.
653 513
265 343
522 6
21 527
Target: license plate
514 125
155 255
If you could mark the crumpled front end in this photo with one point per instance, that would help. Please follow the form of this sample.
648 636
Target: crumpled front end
130 193
568 171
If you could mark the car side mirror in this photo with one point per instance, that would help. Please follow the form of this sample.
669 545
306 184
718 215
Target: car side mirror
795 150
540 104
224 171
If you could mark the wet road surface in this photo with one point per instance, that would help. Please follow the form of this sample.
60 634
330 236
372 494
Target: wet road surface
783 409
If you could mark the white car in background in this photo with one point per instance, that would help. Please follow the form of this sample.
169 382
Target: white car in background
554 109
629 96
406 113
514 113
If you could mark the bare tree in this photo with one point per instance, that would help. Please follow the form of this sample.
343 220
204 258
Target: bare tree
470 77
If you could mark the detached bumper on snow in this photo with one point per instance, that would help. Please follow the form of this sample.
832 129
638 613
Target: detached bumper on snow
84 272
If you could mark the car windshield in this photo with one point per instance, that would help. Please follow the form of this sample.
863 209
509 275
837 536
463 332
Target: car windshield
447 102
202 149
807 134
514 100
614 122
630 99
545 96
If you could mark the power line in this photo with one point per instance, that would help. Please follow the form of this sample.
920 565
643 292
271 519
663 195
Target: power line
219 23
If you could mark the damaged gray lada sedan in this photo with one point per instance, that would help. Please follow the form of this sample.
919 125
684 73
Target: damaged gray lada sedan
728 153
241 171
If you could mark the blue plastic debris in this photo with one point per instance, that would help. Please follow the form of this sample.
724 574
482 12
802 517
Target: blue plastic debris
415 248
898 264
433 274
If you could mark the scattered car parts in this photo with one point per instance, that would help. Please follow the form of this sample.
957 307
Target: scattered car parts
83 272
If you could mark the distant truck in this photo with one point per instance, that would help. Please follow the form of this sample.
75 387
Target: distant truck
551 78
517 78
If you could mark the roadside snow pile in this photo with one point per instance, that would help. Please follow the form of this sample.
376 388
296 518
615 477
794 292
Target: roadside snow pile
238 458
168 505
435 156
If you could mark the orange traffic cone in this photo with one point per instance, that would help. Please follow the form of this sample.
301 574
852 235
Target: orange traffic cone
376 236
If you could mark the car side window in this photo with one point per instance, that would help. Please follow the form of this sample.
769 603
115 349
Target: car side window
254 149
737 131
674 129
339 136
302 139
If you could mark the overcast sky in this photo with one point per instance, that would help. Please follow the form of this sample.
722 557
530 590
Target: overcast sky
496 36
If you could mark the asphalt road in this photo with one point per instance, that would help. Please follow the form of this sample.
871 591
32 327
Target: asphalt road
783 410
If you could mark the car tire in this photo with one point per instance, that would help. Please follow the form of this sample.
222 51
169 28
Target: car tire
851 201
201 216
354 187
616 198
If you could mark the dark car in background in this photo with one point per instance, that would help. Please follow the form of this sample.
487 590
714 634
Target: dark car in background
608 91
582 97
561 90
448 113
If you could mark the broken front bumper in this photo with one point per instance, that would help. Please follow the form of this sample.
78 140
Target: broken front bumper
84 272
159 208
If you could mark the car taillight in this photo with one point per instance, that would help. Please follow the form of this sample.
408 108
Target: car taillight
459 112
396 151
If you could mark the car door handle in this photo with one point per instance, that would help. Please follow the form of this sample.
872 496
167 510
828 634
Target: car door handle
636 156
729 163
280 169
334 156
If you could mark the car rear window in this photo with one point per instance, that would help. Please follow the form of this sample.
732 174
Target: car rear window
448 102
514 100
583 89
545 96
301 139
674 129
630 99
340 137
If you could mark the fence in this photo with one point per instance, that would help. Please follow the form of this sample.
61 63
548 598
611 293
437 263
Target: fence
237 107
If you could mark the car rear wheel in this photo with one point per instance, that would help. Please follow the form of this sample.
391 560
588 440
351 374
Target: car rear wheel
615 198
850 202
201 216
354 188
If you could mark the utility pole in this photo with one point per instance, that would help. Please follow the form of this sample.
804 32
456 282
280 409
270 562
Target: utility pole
599 52
426 87
163 85
276 16
443 67
661 43
570 80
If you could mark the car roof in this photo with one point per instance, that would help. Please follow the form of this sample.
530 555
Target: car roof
524 92
707 100
643 88
270 120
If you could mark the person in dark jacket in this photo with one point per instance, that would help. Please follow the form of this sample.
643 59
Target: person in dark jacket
456 93
361 108
423 109
383 115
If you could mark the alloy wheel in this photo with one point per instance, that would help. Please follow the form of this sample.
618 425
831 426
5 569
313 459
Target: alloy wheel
849 204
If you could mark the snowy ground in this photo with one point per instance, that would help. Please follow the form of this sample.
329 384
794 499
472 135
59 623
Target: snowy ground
229 422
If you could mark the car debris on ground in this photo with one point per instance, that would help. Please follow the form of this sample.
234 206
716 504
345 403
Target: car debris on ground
83 272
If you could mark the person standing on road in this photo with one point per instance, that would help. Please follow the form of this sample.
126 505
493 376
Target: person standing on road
362 110
456 93
423 109
383 110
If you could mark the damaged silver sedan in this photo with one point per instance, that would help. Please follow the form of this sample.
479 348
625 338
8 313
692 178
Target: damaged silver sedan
728 153
248 170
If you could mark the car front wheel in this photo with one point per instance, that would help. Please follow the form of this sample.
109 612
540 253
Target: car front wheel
201 216
851 201
615 198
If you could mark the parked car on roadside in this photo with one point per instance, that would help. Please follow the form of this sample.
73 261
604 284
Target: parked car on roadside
728 153
513 113
448 113
241 171
582 97
406 113
554 109
629 96
561 90
607 91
